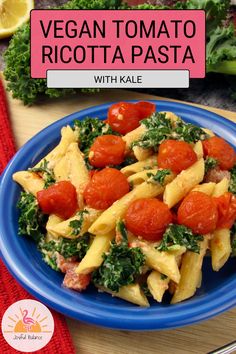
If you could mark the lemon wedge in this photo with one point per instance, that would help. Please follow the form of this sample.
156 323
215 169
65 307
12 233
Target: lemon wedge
13 13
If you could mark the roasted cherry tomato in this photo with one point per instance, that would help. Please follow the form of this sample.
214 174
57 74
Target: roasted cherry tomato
105 187
175 155
107 150
198 211
226 205
220 150
148 217
146 109
59 199
123 117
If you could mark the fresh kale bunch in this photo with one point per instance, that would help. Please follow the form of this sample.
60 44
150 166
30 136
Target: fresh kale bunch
159 128
182 236
121 265
65 247
31 220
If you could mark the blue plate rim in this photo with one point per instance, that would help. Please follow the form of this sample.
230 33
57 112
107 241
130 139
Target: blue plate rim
177 317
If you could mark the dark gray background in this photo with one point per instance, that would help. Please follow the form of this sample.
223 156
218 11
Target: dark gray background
214 90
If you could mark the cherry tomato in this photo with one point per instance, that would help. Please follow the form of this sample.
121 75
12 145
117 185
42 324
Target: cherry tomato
146 109
107 150
198 211
175 155
123 117
148 217
105 187
59 199
220 150
226 205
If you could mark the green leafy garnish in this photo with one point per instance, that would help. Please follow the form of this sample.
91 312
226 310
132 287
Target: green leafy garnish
232 183
160 128
65 247
163 277
210 163
31 220
121 264
159 177
76 225
182 236
47 173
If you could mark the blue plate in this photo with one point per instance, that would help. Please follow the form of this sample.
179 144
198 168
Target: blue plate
218 291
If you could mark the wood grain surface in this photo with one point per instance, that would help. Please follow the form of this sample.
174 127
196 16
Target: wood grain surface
199 338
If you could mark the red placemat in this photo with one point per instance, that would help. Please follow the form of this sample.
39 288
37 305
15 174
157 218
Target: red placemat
10 290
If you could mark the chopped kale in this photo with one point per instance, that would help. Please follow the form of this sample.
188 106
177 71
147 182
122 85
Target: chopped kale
145 290
88 130
233 239
65 247
160 128
121 264
159 177
182 236
47 173
232 183
76 225
31 221
210 163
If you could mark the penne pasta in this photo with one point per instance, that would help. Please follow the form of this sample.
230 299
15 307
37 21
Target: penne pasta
140 177
94 256
157 285
183 183
220 248
190 273
198 149
131 293
141 154
221 187
139 166
207 188
31 182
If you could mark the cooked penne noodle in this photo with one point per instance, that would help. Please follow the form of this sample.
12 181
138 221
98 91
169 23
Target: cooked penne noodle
141 177
198 149
134 135
131 293
31 182
64 229
208 131
183 183
220 248
141 154
52 221
94 256
67 137
139 166
190 273
157 285
61 169
207 188
221 187
107 221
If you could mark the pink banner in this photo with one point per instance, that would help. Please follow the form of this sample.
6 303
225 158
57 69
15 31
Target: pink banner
117 40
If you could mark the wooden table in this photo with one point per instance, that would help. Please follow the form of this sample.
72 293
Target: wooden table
199 338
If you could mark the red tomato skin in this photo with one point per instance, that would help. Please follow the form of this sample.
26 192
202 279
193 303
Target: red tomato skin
219 149
123 117
226 205
105 187
176 155
146 109
148 217
59 199
198 211
107 150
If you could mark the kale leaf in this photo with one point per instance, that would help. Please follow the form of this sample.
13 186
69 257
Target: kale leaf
232 183
159 128
47 173
65 247
210 163
121 264
76 225
159 177
31 220
182 236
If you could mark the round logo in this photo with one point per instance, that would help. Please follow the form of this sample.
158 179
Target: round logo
27 325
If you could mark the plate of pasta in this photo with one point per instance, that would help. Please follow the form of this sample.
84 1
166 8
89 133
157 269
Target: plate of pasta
123 215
